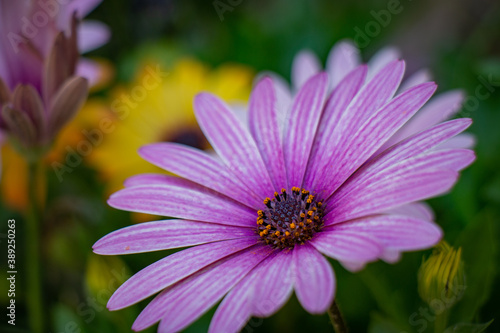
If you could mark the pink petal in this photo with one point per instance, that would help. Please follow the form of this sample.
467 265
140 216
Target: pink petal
172 269
265 131
414 146
381 59
164 235
343 58
365 179
419 77
199 167
250 297
390 193
400 233
419 210
360 144
439 109
301 127
371 97
181 304
275 274
154 178
233 143
183 202
235 309
314 280
305 66
326 135
90 70
91 35
346 245
464 140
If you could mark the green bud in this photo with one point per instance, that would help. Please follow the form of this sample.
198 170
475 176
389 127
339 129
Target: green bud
441 278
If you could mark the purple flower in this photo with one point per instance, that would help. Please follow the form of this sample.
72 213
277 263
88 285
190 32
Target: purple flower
262 214
42 80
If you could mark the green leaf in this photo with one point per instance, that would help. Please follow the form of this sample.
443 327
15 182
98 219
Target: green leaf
468 328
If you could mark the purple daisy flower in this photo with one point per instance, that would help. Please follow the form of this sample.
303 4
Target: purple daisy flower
263 214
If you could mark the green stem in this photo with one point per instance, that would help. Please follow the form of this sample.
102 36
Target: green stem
441 322
336 318
33 257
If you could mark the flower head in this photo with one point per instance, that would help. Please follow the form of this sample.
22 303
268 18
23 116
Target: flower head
280 194
40 83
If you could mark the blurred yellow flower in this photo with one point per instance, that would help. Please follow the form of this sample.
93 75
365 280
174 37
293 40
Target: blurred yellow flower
157 106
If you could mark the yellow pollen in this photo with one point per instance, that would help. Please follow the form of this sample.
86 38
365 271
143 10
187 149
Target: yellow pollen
316 217
268 226
301 224
297 234
277 233
287 233
310 213
302 215
309 221
292 225
265 231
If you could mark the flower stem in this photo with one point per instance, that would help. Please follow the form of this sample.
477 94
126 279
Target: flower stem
33 257
336 318
441 321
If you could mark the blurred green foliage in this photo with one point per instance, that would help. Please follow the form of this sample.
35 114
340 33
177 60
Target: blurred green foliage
462 51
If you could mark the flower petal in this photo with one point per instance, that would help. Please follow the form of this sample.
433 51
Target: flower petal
419 77
172 269
275 274
183 202
390 193
419 210
371 97
359 145
181 304
233 143
198 167
395 232
464 140
314 280
164 235
381 59
346 245
365 179
67 101
265 131
438 109
91 35
249 297
305 65
342 59
326 134
301 126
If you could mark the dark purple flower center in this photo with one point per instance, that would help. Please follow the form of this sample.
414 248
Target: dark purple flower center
290 218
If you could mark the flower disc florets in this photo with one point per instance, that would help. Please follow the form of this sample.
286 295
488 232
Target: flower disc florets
290 218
